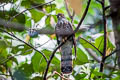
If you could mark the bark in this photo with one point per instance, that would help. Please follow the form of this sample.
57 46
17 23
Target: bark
13 26
115 15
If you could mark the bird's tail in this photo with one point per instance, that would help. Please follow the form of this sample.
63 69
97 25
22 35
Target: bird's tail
66 58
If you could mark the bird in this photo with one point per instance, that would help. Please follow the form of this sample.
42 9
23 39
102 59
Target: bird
63 30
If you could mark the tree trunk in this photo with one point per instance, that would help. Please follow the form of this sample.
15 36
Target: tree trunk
115 15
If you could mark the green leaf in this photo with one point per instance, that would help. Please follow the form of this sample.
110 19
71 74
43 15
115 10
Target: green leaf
38 62
59 11
47 20
26 50
55 62
9 63
116 78
80 76
38 1
99 43
50 8
81 57
19 75
3 44
96 73
27 69
28 21
26 3
36 15
37 78
55 65
86 44
47 53
21 18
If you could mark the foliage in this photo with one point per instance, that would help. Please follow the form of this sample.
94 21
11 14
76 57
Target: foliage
27 64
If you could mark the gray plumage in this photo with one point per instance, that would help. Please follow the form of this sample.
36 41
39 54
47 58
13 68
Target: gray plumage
64 29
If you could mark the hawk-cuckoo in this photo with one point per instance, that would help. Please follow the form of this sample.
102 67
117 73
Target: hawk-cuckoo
64 29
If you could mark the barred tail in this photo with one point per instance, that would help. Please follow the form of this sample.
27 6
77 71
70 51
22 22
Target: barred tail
66 58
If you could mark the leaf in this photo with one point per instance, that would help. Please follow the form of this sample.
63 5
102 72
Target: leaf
96 73
80 76
50 8
36 15
39 64
3 44
9 63
28 21
81 57
76 5
27 38
26 50
116 78
38 1
23 49
27 69
3 54
4 1
21 18
55 64
37 78
15 49
7 37
26 3
86 44
52 36
47 53
59 11
47 20
99 43
19 75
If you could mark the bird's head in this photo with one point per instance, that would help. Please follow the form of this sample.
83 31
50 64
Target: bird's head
60 16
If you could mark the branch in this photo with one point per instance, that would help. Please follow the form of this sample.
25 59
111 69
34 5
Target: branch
85 13
52 55
12 25
20 27
105 37
25 43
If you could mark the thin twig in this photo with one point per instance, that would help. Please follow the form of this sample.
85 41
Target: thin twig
73 18
105 37
112 53
52 55
67 9
25 43
38 46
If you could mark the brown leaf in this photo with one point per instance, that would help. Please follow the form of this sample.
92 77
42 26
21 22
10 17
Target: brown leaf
76 5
